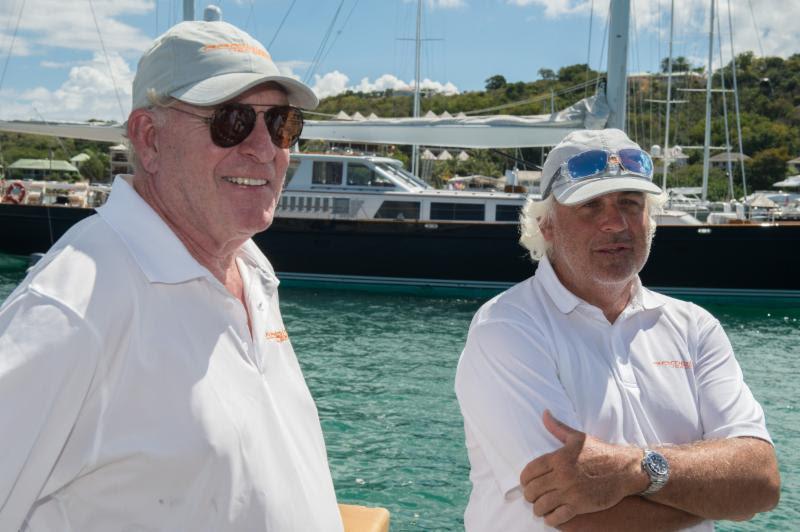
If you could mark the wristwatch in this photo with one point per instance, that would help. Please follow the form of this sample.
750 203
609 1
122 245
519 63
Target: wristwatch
657 468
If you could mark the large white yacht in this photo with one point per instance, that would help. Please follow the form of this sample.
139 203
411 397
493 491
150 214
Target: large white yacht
363 187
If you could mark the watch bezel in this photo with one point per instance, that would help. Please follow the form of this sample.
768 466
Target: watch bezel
656 466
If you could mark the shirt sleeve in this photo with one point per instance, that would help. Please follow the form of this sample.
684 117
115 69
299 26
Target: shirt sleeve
505 381
47 362
727 406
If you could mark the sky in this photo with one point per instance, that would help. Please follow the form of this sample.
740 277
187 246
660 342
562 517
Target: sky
74 60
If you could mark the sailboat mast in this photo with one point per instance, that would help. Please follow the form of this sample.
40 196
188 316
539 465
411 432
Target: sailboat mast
415 147
188 9
709 76
617 87
669 95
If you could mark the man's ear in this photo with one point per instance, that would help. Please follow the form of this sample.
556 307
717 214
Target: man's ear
143 134
546 227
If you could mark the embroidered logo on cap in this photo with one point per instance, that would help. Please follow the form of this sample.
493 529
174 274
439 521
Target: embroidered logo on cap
236 47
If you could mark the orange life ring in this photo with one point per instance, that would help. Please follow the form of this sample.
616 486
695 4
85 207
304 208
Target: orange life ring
15 192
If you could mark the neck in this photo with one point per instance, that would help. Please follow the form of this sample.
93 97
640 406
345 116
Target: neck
610 297
218 258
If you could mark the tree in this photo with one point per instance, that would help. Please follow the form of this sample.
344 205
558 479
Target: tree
495 82
547 74
767 167
679 64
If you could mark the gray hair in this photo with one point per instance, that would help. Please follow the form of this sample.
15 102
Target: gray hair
536 213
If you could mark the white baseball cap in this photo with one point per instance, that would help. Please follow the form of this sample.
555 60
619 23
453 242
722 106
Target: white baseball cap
614 178
207 63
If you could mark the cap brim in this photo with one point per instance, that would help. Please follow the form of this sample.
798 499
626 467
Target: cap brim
581 191
213 91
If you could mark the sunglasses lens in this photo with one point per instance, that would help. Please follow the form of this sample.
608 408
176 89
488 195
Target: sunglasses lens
231 124
636 162
284 125
587 164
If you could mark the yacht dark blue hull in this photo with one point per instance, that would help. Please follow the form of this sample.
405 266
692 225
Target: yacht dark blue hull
714 260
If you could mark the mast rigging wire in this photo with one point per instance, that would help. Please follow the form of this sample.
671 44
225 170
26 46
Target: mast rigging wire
315 62
105 53
11 48
285 16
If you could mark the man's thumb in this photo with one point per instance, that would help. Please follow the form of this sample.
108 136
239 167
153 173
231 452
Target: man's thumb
557 428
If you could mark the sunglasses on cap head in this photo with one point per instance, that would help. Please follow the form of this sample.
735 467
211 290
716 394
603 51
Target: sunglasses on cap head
593 163
232 123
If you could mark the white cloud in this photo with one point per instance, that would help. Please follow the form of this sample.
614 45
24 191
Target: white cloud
335 82
330 84
87 93
776 21
54 23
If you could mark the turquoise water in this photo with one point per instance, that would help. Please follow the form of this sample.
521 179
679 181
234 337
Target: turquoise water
381 369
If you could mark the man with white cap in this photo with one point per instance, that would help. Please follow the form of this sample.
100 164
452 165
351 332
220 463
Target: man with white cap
590 402
147 381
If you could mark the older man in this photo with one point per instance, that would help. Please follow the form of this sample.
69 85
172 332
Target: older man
146 378
590 402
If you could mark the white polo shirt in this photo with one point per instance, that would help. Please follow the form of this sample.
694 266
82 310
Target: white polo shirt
664 372
134 397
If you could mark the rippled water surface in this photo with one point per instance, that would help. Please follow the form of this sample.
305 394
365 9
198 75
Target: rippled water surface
381 369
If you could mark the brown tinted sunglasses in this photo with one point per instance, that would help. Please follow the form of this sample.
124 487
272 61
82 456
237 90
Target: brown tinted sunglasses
232 123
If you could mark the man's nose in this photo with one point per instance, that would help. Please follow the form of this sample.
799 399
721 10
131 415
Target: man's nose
258 144
613 219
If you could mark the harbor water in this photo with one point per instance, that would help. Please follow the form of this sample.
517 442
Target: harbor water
381 369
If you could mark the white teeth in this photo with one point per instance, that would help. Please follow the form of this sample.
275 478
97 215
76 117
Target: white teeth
245 181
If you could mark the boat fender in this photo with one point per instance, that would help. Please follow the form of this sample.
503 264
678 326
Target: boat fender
15 192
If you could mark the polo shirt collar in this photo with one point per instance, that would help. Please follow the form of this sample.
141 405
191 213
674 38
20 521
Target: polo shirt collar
159 253
565 301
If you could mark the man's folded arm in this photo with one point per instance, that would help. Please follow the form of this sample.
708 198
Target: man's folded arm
633 513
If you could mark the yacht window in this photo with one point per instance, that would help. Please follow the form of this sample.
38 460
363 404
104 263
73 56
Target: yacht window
399 210
292 203
316 203
341 205
282 204
290 170
326 204
327 173
361 175
457 211
507 213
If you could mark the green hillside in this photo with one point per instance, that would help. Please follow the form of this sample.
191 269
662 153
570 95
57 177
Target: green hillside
769 90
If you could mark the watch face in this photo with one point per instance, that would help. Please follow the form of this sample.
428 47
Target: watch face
657 464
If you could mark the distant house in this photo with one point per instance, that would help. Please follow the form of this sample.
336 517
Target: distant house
720 160
120 163
42 169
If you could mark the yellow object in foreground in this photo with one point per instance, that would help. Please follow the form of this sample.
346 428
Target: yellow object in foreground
364 519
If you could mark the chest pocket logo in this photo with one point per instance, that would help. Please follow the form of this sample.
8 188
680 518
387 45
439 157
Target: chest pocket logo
277 336
677 364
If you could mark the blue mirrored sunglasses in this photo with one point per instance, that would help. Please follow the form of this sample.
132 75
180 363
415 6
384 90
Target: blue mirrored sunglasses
592 163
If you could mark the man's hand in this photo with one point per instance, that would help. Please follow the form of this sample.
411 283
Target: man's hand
586 475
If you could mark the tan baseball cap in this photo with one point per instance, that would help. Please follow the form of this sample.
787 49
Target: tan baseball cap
207 63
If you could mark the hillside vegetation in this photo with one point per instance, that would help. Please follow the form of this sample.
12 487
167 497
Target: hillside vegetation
769 93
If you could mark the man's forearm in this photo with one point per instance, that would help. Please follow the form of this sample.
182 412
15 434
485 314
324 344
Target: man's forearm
732 479
633 513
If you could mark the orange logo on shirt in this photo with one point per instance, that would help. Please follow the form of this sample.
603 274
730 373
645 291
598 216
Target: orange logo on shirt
277 336
677 364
